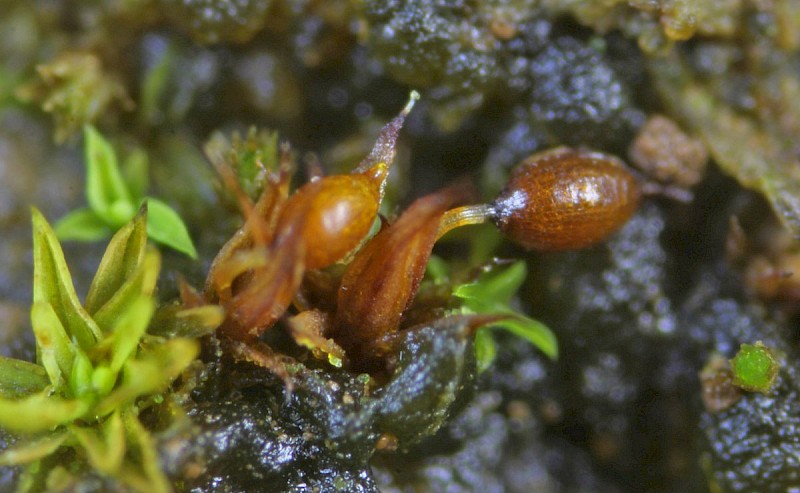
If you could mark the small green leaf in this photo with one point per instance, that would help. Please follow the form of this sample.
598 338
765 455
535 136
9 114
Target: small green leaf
103 380
119 213
175 321
485 349
142 282
122 258
151 372
82 225
532 331
20 378
54 349
105 449
165 226
104 183
31 451
128 331
39 412
491 294
136 174
80 379
497 286
152 477
755 368
52 284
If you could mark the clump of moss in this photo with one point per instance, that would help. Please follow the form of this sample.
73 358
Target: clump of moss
77 90
114 193
77 409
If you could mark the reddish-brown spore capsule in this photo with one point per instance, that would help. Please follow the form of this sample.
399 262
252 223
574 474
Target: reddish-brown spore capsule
565 199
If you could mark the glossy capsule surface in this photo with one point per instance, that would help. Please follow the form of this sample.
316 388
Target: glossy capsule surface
333 214
565 199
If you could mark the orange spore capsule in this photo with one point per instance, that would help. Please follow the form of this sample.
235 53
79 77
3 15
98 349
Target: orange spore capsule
333 214
565 199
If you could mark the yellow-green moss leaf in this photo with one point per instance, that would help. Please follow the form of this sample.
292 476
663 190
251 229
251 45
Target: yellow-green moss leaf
39 412
151 372
165 226
104 183
122 258
52 284
105 447
54 348
148 476
175 321
142 282
82 225
20 378
496 286
31 451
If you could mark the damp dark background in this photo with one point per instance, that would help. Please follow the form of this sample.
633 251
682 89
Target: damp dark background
637 317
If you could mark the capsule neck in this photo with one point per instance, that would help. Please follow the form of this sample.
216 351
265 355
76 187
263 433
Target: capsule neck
463 216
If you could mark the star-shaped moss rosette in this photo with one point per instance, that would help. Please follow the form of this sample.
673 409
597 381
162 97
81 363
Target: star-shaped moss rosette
114 193
491 294
76 409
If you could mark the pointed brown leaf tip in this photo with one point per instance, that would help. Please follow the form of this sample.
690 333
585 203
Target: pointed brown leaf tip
384 149
383 278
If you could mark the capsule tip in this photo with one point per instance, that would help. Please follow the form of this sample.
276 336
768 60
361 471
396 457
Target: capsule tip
412 98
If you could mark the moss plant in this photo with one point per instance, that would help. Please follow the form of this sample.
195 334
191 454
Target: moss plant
491 294
77 408
114 193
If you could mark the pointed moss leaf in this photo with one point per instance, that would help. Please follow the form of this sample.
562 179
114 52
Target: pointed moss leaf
52 284
31 451
20 378
80 379
151 372
54 349
136 174
105 447
128 331
151 478
141 283
496 286
123 256
485 349
532 331
165 226
39 412
103 379
82 225
104 183
175 321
